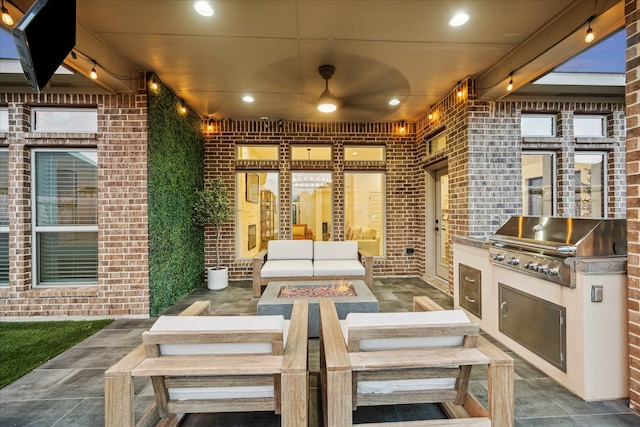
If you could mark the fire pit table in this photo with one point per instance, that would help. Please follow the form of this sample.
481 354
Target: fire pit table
272 302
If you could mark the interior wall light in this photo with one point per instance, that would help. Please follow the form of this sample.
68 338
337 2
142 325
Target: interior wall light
6 17
327 102
94 74
590 36
510 85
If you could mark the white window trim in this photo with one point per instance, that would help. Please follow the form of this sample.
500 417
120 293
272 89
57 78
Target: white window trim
35 229
239 148
358 147
4 126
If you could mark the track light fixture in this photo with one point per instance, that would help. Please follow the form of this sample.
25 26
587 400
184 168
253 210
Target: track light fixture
590 36
510 85
6 17
327 102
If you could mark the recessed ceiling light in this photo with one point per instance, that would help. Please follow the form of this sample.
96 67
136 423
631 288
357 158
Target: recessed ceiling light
394 101
203 8
459 19
247 98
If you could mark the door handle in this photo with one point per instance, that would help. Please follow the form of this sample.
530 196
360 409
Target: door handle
504 309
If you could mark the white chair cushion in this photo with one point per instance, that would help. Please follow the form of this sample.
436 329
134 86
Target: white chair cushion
218 323
287 268
335 250
399 319
338 268
198 323
289 249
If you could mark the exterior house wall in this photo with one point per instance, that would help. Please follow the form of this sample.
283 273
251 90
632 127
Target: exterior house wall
404 189
123 273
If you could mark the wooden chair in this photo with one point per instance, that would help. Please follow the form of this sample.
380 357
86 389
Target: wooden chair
398 359
196 367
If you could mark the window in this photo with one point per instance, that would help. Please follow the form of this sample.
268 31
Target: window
65 203
310 152
537 125
364 210
64 120
4 217
311 205
438 143
257 152
538 178
590 185
4 119
360 153
257 204
589 126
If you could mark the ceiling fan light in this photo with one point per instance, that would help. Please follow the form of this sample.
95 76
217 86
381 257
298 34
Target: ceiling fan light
327 103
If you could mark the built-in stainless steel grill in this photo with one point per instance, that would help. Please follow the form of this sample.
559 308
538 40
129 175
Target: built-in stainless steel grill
547 247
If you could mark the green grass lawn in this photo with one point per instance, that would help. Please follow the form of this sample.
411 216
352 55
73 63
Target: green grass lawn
26 345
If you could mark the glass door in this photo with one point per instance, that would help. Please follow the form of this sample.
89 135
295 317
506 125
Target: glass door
442 224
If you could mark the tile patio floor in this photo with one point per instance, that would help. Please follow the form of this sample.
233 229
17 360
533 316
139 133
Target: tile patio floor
69 389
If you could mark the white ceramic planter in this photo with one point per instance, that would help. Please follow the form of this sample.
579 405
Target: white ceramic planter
217 279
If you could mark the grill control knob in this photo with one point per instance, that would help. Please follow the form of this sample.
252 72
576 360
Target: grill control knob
513 261
542 269
551 271
530 266
498 257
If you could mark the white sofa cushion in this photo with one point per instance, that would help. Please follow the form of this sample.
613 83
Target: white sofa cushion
338 268
335 250
399 319
287 268
289 249
228 323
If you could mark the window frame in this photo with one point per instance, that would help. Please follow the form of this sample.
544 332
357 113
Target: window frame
351 147
37 229
295 147
239 148
554 125
383 193
554 180
69 122
603 125
4 229
605 179
4 119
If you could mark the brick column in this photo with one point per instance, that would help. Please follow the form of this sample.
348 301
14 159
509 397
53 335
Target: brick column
633 196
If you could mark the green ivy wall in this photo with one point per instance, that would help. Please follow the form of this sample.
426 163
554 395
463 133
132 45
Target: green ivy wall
176 170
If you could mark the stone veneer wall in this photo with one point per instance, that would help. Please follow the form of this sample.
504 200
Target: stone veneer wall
632 14
404 188
123 272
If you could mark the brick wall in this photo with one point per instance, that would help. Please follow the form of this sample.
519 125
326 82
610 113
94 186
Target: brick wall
404 189
121 141
632 10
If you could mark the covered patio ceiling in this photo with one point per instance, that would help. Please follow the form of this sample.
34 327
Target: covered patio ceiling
271 50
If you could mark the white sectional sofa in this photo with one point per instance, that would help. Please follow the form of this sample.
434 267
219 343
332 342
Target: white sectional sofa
309 260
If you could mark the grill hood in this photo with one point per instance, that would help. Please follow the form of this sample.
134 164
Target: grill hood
564 236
